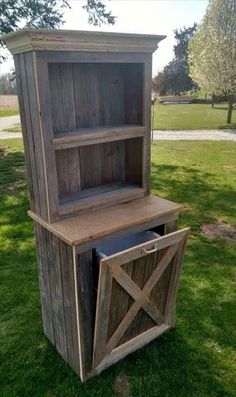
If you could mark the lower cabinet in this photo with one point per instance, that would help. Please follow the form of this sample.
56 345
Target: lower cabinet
115 306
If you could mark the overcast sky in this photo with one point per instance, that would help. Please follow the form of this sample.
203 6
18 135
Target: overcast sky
140 16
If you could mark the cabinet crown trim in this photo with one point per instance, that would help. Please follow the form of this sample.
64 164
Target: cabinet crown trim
31 39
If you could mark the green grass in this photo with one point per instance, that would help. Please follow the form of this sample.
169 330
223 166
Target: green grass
15 128
195 359
8 112
191 117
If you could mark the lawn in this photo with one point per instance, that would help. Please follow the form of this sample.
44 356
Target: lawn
197 358
191 117
8 112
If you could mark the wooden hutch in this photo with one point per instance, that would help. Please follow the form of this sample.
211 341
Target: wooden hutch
85 101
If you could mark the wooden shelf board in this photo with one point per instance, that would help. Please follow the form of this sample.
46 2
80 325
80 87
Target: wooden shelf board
91 136
102 195
68 198
100 223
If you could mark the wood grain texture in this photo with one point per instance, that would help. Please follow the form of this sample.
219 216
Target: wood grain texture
44 281
92 95
31 133
138 283
147 87
58 296
46 129
86 310
91 136
29 39
77 230
30 166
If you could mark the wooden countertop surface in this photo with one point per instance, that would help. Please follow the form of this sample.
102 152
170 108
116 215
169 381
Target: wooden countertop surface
96 224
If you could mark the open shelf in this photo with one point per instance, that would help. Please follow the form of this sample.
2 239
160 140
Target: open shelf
101 195
93 95
91 136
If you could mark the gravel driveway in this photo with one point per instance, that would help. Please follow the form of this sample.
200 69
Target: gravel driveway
9 121
195 135
159 135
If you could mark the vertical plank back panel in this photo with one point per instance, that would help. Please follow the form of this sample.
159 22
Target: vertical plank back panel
111 94
133 160
85 79
62 96
113 162
68 171
90 166
133 93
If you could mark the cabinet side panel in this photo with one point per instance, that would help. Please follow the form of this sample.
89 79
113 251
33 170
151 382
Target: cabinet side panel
69 304
31 132
36 132
44 281
147 85
46 129
57 291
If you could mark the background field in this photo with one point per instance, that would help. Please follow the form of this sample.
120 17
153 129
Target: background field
197 358
8 105
191 117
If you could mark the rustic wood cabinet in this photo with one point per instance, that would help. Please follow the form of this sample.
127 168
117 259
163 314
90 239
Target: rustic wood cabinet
85 110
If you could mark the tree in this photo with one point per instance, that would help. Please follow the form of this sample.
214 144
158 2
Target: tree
46 14
7 84
212 58
175 78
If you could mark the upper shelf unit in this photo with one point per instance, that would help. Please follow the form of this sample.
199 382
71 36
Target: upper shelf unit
92 95
85 109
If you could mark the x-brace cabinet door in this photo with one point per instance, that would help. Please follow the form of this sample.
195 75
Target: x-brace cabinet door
136 297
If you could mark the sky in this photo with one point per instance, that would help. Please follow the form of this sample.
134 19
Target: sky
139 16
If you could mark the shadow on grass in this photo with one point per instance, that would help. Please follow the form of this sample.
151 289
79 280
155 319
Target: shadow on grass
197 189
229 127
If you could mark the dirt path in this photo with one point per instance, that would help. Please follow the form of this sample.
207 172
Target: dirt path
9 121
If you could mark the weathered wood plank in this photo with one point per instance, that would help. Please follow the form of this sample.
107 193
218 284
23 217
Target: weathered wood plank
147 86
131 346
86 310
44 281
133 93
69 305
91 136
174 283
36 132
138 251
85 78
27 131
44 104
58 315
71 40
133 160
139 285
132 216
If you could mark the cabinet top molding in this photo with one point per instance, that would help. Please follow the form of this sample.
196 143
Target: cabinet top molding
31 39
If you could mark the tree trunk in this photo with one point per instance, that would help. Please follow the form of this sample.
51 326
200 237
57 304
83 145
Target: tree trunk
213 100
230 108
